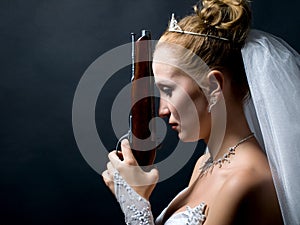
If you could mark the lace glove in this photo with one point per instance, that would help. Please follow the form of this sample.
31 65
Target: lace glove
136 209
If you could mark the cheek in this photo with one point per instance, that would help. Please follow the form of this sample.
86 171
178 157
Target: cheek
188 110
182 106
195 119
202 106
204 118
189 106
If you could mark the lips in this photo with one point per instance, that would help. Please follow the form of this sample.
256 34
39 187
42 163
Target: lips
174 126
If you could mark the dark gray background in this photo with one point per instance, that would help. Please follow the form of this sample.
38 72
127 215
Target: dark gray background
45 48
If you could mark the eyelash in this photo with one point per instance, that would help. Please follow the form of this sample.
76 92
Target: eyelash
167 91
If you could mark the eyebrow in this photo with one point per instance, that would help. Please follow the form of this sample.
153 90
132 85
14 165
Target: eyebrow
164 82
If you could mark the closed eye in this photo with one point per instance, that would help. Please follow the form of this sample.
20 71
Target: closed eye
167 90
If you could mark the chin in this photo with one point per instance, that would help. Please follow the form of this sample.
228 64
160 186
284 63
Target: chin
187 137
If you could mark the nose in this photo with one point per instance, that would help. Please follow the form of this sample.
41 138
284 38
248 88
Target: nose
164 110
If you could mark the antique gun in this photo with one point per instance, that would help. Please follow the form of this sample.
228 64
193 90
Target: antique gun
141 133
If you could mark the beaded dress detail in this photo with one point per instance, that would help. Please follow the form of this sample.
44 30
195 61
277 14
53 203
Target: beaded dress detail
192 216
195 215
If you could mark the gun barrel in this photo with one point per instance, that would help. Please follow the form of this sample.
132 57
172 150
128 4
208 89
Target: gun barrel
143 109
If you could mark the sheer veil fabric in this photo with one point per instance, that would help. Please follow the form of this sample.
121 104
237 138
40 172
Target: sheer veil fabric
273 113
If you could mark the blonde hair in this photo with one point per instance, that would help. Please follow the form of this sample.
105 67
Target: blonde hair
224 18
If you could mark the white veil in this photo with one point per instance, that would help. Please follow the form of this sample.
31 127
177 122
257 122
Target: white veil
273 112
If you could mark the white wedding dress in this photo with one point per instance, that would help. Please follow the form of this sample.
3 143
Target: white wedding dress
191 216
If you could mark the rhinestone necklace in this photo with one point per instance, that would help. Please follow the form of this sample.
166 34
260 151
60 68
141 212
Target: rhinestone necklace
210 163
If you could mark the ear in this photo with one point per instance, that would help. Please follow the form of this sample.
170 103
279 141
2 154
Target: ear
215 81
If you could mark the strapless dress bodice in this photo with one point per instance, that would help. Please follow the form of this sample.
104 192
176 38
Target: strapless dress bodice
191 216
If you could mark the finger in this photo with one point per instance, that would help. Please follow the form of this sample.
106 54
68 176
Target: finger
120 155
108 182
111 169
114 159
106 177
127 153
153 175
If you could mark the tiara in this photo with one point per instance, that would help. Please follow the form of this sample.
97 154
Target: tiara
174 27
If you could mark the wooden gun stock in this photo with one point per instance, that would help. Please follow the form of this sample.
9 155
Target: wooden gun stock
142 109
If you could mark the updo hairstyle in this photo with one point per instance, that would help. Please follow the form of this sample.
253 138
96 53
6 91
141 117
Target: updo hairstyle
223 18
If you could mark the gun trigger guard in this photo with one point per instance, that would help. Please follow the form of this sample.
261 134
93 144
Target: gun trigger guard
128 136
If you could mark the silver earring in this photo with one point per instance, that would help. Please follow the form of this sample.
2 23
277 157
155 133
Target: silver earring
213 101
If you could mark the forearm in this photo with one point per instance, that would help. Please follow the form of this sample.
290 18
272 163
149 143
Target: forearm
137 210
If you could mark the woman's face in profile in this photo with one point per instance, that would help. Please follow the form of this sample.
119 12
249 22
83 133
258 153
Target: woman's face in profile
183 102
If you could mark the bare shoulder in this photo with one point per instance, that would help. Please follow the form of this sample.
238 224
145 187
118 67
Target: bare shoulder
243 191
247 181
250 173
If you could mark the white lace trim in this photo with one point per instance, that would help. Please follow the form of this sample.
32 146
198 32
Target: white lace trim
191 216
195 215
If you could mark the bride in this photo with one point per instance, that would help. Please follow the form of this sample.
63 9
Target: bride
222 83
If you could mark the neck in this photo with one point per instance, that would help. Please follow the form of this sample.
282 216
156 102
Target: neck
225 134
